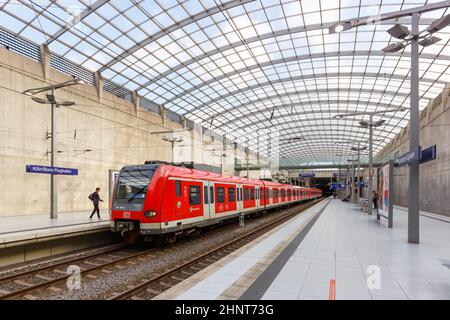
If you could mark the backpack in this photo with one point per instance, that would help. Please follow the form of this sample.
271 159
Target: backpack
91 196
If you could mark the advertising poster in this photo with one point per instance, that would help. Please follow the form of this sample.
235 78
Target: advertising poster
384 194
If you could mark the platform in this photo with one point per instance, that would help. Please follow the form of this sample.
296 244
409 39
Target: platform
342 249
19 229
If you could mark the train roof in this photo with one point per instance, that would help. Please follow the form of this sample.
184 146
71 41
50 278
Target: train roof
178 171
199 174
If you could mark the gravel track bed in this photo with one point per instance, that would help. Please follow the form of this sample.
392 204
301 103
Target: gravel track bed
33 265
106 284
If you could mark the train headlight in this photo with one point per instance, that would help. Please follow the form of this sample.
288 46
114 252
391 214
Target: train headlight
150 213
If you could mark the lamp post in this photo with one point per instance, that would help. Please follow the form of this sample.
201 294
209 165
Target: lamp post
352 179
173 141
414 38
50 99
370 124
358 149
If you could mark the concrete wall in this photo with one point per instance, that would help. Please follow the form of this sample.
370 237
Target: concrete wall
434 175
115 130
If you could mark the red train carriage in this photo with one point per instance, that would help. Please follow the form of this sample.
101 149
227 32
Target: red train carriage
160 199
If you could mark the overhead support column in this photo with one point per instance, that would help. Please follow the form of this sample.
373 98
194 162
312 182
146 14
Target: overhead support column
353 182
347 180
370 196
162 110
357 175
45 59
136 102
413 197
99 83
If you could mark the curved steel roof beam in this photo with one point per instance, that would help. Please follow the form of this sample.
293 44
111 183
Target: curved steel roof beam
263 100
389 107
331 148
330 131
225 76
312 76
297 58
79 18
301 121
168 30
270 35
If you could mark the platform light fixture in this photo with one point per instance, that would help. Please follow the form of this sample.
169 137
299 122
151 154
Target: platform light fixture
370 124
339 27
50 99
439 24
173 141
429 41
398 31
413 39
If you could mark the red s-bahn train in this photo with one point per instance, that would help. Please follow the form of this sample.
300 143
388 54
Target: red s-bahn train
154 200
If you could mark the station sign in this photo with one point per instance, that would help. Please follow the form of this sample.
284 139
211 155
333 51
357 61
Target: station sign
428 154
408 158
337 186
307 175
31 168
422 156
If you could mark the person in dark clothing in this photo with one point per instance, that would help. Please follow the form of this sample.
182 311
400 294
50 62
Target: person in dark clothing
375 200
95 198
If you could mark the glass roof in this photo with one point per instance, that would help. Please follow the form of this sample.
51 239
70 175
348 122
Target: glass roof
245 67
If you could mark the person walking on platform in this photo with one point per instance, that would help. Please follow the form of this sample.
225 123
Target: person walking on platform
375 200
95 198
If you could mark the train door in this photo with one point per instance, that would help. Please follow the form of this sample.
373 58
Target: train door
257 196
262 196
181 199
207 207
239 202
195 199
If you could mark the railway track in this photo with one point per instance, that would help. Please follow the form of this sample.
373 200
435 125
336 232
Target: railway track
20 284
161 282
50 279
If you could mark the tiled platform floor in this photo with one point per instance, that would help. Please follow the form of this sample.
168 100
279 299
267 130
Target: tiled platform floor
18 228
342 244
345 242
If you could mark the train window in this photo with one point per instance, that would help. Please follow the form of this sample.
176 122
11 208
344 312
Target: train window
239 194
220 194
261 194
205 194
245 193
240 191
252 194
211 194
257 194
267 194
231 194
178 188
194 195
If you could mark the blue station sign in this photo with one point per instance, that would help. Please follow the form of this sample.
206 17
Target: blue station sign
307 175
408 158
31 168
428 154
420 155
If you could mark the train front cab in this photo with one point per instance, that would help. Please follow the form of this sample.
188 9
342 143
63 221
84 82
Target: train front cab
135 204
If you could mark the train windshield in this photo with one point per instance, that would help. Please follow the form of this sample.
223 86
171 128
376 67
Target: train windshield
133 185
